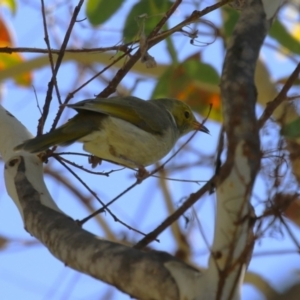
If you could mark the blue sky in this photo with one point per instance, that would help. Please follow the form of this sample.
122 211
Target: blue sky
30 271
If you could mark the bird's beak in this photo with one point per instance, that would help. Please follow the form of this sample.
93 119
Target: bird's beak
198 126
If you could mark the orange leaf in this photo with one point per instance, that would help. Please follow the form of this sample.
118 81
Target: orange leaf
5 35
11 60
293 212
195 83
8 60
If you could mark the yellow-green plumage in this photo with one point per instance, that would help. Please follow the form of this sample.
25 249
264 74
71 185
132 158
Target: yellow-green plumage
77 127
125 130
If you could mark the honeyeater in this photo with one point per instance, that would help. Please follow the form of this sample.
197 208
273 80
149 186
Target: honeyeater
125 130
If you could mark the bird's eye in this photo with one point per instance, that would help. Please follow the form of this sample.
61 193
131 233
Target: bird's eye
187 114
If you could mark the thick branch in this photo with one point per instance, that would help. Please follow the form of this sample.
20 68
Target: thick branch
12 133
143 275
233 242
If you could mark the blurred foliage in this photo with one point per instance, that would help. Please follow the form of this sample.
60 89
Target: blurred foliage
193 82
284 37
98 11
191 79
13 59
293 212
230 17
292 129
10 4
143 18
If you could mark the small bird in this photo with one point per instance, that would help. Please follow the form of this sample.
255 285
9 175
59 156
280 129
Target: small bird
125 130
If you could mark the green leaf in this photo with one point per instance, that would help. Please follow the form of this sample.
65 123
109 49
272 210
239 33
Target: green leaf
283 80
176 79
99 11
277 31
163 86
193 82
230 17
201 72
14 60
143 17
284 38
291 130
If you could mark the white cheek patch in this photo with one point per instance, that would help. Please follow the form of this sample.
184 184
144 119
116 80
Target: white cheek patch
172 118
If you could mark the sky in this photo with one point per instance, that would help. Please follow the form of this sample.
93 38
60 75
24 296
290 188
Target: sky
27 269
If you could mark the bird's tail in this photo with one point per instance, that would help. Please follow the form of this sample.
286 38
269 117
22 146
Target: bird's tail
73 130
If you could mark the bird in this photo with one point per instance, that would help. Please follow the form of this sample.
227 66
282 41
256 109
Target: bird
125 130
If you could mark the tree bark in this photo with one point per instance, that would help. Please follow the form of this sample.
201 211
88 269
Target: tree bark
154 274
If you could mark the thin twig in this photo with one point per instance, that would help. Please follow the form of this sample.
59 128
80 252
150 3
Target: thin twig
290 233
138 181
10 50
165 18
43 117
179 179
82 168
174 216
116 219
71 94
53 82
281 97
60 160
111 88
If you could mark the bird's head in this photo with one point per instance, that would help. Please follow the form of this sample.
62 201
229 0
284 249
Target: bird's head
183 116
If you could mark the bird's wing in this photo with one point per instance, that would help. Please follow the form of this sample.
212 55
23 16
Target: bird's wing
143 114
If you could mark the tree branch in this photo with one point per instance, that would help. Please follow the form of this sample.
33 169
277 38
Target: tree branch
126 268
12 133
233 239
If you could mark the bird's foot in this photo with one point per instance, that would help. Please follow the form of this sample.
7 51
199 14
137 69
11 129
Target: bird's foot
95 161
141 174
43 156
